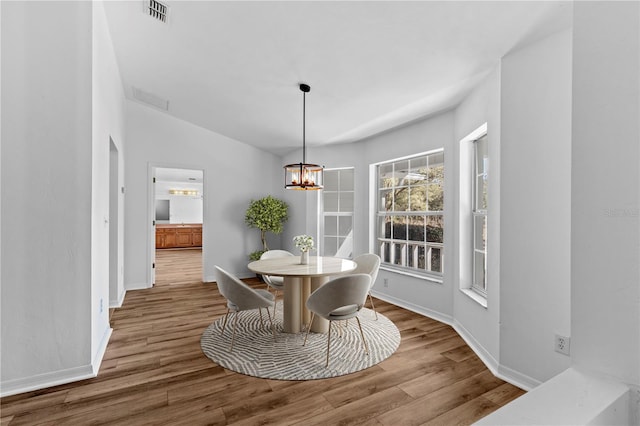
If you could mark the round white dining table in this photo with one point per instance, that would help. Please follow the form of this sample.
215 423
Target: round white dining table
299 282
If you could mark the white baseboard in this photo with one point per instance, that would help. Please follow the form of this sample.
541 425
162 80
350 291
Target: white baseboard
45 380
60 377
137 286
508 375
118 303
517 379
414 308
485 356
97 359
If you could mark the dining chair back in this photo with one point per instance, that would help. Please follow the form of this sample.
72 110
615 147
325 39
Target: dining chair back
276 283
270 254
339 299
241 297
368 263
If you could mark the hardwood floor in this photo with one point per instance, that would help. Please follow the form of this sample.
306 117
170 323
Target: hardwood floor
154 372
177 267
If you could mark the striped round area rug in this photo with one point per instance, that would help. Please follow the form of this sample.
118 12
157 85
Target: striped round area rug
256 354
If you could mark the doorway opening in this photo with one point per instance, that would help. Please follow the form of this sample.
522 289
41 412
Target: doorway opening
179 220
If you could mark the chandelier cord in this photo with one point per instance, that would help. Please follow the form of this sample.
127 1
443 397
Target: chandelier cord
302 175
304 145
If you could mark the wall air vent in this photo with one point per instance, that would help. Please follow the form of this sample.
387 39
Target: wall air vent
150 99
156 10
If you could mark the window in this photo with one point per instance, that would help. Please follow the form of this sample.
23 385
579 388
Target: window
337 211
479 204
410 213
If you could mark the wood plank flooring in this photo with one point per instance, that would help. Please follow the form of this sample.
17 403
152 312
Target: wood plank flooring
154 372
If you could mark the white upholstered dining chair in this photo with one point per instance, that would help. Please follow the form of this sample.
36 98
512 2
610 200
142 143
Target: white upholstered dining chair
241 297
339 299
368 263
276 283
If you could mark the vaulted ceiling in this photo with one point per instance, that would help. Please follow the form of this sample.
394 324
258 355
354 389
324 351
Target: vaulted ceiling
234 66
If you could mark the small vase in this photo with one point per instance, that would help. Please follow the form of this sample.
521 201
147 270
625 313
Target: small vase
304 258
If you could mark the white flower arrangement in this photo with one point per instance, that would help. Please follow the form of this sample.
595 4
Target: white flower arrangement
303 242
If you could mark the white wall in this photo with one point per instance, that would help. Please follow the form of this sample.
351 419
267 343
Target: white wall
108 126
183 208
303 206
417 294
605 196
46 293
234 173
479 325
535 196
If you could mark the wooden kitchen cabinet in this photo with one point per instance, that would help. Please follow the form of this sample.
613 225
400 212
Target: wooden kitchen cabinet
178 236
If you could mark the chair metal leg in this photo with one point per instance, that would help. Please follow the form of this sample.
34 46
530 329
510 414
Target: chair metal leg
224 323
328 343
373 307
261 321
364 342
273 327
313 314
275 301
233 335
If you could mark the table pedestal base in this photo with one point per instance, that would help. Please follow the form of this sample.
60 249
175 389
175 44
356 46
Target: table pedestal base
296 316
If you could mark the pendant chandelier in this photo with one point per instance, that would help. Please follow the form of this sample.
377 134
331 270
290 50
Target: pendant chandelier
302 175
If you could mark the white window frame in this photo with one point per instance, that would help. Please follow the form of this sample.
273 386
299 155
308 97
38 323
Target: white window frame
467 214
478 213
376 242
348 243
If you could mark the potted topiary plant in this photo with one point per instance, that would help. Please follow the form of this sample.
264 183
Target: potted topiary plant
268 214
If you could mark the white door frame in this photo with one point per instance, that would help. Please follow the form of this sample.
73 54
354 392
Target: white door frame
116 296
151 215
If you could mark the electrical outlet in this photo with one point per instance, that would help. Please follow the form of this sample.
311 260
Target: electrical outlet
385 282
563 344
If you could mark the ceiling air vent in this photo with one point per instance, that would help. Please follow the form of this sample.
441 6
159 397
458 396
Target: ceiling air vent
156 10
150 99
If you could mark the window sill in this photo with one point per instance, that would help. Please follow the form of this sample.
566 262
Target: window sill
478 298
437 280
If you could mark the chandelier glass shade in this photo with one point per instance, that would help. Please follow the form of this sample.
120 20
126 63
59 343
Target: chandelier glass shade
303 176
